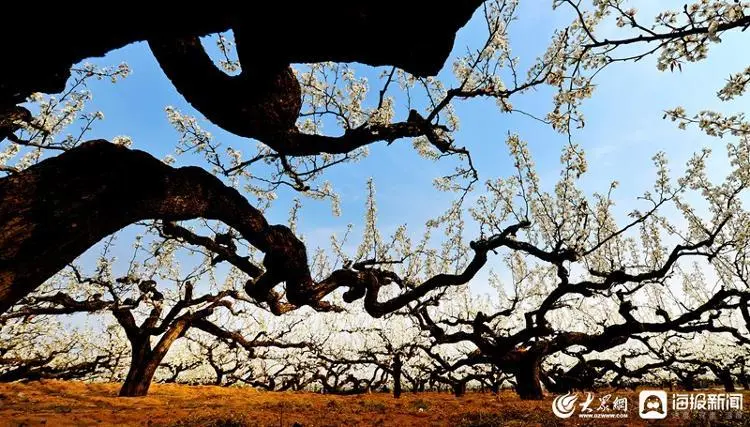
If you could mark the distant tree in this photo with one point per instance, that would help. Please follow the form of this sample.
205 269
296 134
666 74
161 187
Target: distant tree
39 348
227 355
579 280
176 367
591 373
288 373
151 319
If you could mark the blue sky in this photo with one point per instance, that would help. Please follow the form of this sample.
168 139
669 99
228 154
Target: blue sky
624 127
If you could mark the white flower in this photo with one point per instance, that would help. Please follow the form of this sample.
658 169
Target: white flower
122 140
36 97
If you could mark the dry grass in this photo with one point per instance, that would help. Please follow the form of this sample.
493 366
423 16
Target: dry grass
70 403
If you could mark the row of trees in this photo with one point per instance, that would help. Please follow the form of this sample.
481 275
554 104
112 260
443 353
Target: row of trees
585 296
289 354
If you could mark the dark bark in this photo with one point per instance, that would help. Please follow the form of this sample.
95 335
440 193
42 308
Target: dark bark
258 103
520 353
10 116
687 375
142 369
264 103
459 388
139 378
528 381
397 366
53 211
555 380
145 360
495 387
418 38
742 376
726 380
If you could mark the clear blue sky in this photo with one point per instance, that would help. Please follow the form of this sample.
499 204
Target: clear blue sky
624 127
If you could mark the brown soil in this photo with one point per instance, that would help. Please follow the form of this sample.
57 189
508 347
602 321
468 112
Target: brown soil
60 403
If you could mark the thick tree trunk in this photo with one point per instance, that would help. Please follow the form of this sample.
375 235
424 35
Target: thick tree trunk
528 381
397 366
144 360
459 389
688 383
137 382
219 378
555 381
143 365
727 381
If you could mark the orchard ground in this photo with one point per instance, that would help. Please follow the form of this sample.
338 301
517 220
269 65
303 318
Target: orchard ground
59 403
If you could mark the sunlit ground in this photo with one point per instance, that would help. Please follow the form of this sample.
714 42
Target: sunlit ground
58 403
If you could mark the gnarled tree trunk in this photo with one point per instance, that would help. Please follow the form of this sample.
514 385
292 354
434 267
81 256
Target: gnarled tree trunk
419 39
459 388
744 380
528 381
687 380
397 366
52 212
144 359
143 364
725 377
